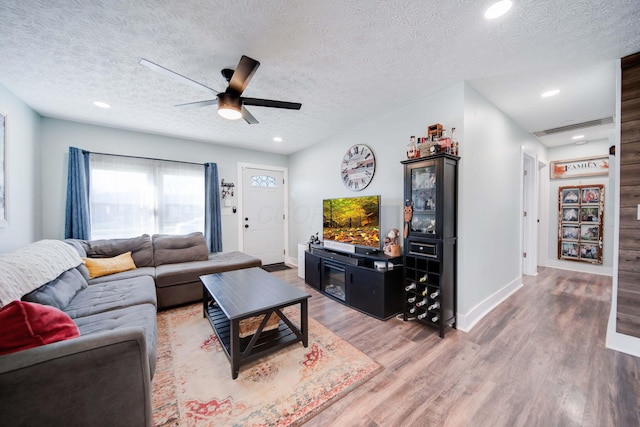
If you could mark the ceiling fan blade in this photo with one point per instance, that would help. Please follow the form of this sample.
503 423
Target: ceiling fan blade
171 74
248 117
271 103
198 103
242 74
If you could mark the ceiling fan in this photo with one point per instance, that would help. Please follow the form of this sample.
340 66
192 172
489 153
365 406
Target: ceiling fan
231 105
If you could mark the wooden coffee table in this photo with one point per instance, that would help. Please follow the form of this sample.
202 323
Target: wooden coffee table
232 296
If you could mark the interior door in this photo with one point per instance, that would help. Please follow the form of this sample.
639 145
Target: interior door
263 214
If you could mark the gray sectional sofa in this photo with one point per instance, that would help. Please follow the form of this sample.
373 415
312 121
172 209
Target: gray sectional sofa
103 377
175 262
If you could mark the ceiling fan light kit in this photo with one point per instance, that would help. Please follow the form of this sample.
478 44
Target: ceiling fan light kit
231 105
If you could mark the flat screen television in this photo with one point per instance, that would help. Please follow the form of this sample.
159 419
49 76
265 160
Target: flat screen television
352 221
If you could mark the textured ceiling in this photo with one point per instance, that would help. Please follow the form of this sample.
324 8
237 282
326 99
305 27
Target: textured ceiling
345 61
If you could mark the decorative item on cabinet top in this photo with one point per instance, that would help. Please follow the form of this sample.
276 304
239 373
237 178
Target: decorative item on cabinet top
436 142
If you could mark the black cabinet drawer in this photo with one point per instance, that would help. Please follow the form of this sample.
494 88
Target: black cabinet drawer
423 249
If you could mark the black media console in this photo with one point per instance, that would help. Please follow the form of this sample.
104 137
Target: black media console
367 280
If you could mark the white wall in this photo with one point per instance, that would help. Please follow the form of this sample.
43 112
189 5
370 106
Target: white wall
567 152
315 172
23 177
489 223
489 207
58 135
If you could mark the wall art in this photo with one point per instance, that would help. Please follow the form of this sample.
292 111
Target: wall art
3 170
577 168
580 222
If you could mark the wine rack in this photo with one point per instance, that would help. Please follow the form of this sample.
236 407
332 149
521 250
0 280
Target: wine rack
429 286
422 290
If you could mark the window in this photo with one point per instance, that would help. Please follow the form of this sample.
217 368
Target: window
133 196
263 181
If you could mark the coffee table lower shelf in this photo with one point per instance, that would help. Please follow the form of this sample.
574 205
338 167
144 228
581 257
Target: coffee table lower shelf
267 342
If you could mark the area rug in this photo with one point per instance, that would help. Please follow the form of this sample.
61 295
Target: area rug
192 385
275 267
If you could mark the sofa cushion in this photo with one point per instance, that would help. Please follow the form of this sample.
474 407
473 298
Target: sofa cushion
172 249
25 325
140 248
113 295
187 272
104 266
60 291
142 315
78 245
129 274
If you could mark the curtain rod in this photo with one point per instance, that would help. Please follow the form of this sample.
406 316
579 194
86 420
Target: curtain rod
144 158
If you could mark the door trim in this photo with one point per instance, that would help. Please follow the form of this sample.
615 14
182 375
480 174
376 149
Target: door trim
285 173
529 234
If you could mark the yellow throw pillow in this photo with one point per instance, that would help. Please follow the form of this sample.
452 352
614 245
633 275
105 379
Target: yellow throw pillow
102 266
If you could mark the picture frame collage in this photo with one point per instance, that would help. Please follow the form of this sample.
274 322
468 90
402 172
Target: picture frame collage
580 223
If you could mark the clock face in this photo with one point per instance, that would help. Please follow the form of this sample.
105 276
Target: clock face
358 167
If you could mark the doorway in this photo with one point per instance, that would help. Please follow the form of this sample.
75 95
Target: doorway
263 219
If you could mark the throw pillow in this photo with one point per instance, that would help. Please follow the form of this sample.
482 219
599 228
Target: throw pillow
59 292
140 247
103 266
25 325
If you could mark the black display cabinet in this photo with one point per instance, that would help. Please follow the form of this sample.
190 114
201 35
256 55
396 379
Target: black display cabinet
430 192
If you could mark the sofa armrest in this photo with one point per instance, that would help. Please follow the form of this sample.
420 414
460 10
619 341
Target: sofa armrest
101 379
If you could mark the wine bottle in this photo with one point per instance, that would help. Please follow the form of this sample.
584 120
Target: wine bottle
421 303
435 319
422 315
433 306
423 278
412 310
454 142
410 287
411 299
434 295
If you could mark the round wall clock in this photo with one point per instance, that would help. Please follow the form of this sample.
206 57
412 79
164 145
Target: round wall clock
358 167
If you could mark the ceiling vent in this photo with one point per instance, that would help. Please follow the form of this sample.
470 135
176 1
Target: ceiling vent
576 126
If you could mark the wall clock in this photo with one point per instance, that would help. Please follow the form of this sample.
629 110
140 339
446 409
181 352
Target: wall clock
358 167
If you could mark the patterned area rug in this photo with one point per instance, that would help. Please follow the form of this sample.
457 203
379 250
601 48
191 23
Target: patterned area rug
192 385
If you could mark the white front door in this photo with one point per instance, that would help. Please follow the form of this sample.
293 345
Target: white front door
263 214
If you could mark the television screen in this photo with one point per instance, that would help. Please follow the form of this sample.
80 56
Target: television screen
353 220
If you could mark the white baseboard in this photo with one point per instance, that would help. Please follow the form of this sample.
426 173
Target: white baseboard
464 322
291 261
581 267
623 343
620 342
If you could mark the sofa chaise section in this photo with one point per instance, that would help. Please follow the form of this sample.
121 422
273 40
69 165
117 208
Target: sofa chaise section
101 377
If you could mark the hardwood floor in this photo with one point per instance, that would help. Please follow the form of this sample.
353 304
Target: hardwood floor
536 360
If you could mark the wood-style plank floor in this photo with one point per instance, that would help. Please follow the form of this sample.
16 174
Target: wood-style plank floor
538 359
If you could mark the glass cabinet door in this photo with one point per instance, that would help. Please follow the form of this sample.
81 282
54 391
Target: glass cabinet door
423 196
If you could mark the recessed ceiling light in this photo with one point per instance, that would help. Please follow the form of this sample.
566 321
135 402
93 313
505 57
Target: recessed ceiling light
277 139
580 142
101 104
577 137
497 9
550 93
